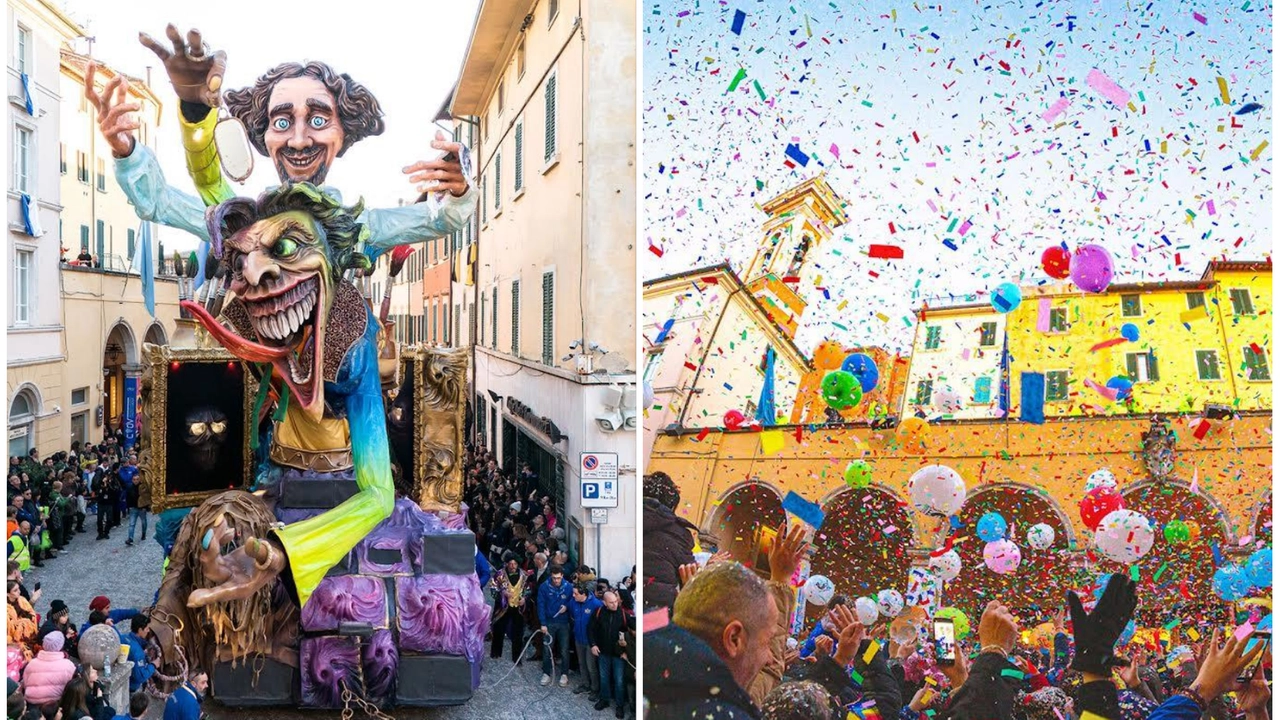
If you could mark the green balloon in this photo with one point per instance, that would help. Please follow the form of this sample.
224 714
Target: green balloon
840 389
858 474
1176 532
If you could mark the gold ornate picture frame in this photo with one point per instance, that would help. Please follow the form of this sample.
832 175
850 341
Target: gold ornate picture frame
438 378
164 361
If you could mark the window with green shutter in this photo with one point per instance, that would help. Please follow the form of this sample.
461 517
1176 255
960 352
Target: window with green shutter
84 239
933 337
924 392
519 156
982 390
1141 367
549 98
1195 300
484 207
1207 365
1058 320
1255 364
1055 386
1241 301
493 320
548 318
988 337
497 182
515 318
133 243
1130 305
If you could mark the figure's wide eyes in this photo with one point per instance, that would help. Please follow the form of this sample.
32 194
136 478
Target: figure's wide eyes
198 428
285 247
218 427
281 123
319 121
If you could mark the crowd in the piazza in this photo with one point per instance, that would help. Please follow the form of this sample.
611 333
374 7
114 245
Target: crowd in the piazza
548 607
724 649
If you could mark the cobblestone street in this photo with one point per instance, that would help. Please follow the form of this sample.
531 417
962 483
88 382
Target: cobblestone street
130 576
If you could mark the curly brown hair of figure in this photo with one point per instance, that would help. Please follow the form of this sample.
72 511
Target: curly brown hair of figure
358 110
261 624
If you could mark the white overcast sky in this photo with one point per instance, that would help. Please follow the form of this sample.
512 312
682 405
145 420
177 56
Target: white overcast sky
409 59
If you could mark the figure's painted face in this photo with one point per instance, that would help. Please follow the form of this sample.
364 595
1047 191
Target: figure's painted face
205 431
280 270
303 133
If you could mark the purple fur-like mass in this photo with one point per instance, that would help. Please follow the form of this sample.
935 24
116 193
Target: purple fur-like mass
345 598
381 666
328 665
442 614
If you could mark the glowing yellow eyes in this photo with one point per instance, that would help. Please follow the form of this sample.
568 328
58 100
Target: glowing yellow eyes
286 247
199 428
218 427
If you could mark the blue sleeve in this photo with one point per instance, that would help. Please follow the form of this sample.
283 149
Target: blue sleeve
121 615
1061 650
143 183
544 599
1178 707
484 570
809 645
432 218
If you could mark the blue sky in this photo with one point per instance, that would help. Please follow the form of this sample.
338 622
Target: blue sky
904 105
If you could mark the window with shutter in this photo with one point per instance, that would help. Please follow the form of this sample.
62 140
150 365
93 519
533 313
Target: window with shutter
515 318
133 243
84 239
933 337
924 392
1140 367
497 183
1130 305
102 175
549 97
82 167
982 390
484 207
1055 388
1058 320
1241 301
1255 364
988 337
548 318
1207 365
1195 300
62 158
519 156
493 319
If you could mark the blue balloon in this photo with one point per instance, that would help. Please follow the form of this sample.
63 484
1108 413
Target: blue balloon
1231 582
1006 297
1127 634
1129 332
1123 386
992 527
861 366
1258 568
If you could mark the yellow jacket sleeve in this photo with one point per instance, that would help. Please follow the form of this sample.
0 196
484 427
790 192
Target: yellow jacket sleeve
203 162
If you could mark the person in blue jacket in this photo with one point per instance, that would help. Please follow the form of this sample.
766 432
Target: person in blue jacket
136 639
581 608
102 604
484 570
823 627
184 703
553 613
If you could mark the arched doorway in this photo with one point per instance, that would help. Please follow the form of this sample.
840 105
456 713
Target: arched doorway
863 543
1262 522
1176 580
156 335
1039 586
23 410
121 349
742 516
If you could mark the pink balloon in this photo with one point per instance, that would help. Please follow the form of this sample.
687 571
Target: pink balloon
1091 268
1002 556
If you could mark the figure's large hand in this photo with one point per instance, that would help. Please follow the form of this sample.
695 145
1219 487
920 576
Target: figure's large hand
1096 632
445 172
239 573
114 120
195 74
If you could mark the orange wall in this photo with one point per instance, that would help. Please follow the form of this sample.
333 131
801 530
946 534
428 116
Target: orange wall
810 407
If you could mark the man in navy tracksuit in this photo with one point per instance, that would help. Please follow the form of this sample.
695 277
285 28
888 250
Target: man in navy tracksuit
553 612
581 608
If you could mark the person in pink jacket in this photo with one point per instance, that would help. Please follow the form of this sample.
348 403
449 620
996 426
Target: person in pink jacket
48 673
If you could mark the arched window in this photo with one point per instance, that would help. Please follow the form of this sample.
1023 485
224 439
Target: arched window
22 416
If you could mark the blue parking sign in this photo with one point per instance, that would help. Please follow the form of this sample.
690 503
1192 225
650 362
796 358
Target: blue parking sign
590 491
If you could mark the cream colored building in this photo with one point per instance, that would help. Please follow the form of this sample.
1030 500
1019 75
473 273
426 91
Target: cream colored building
553 88
957 349
34 313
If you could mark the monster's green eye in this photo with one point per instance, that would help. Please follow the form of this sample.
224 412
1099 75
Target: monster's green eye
285 247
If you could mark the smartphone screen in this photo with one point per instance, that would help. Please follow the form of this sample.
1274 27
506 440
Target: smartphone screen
944 641
1258 637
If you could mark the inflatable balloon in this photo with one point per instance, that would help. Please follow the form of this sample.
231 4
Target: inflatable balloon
841 390
867 610
947 565
1091 268
1056 262
889 603
1124 536
818 589
1002 556
862 367
1122 385
1099 503
1231 582
947 402
958 620
912 433
649 396
734 419
1041 536
1100 478
1193 527
1006 297
992 527
1258 568
936 490
857 474
906 627
1176 532
1129 332
922 587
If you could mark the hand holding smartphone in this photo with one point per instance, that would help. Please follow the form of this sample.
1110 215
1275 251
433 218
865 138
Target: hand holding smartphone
1259 636
944 641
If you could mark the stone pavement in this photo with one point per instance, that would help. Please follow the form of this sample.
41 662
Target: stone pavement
130 576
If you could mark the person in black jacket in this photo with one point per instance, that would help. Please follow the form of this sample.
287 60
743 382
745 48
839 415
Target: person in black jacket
720 638
668 541
606 632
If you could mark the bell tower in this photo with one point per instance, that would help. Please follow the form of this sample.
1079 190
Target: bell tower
799 220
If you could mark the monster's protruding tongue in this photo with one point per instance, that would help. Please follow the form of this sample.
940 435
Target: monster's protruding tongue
250 351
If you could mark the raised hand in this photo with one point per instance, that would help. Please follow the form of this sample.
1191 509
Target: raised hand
195 74
1254 697
687 572
114 121
958 672
445 174
788 550
851 638
822 646
721 556
998 627
1096 632
1222 665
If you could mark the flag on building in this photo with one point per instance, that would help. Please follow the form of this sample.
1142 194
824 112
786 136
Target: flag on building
146 267
765 411
30 216
463 269
26 91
